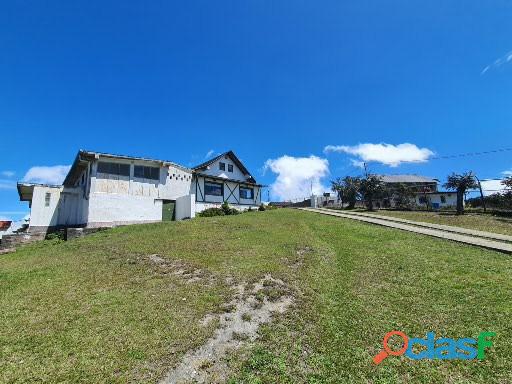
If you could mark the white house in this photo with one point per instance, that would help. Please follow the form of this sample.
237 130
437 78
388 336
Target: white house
437 199
103 190
423 188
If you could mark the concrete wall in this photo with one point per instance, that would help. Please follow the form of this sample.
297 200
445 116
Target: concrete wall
172 183
116 209
42 216
116 200
185 207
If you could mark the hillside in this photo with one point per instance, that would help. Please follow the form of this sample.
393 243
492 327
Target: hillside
129 303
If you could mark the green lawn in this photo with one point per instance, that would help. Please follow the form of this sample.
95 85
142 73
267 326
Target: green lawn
96 310
478 221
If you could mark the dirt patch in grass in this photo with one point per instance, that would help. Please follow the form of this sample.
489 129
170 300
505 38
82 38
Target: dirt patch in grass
249 309
179 268
296 261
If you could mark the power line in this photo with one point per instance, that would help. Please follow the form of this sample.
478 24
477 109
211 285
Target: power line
460 155
469 154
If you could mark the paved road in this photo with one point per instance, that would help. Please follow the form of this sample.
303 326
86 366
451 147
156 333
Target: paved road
485 239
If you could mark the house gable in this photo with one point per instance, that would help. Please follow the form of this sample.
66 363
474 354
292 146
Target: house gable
226 166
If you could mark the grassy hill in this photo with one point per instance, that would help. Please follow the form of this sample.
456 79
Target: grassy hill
106 308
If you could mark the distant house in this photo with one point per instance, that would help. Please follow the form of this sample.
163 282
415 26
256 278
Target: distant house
415 183
4 226
425 190
104 189
436 200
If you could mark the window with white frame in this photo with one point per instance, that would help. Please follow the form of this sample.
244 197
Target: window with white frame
47 199
222 166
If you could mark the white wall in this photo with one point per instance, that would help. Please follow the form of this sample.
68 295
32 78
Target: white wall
41 215
435 198
128 199
114 209
185 207
215 171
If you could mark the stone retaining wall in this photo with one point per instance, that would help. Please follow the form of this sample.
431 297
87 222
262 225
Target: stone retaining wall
16 239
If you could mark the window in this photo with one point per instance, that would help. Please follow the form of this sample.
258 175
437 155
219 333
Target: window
213 189
246 193
47 198
144 172
222 166
443 199
230 167
114 168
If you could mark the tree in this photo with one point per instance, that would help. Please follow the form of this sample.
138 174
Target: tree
351 190
507 183
461 183
507 194
337 186
403 196
347 190
371 188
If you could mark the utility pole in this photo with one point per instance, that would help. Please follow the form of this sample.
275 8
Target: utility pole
481 192
365 170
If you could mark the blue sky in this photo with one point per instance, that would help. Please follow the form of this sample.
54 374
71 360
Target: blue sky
176 80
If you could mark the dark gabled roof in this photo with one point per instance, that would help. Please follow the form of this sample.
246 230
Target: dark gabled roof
235 160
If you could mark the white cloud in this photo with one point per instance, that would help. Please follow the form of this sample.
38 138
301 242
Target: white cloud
491 186
507 58
7 173
389 154
357 163
297 175
209 154
47 175
7 184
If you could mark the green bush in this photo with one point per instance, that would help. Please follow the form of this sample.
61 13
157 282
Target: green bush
262 207
210 212
228 210
55 236
224 210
